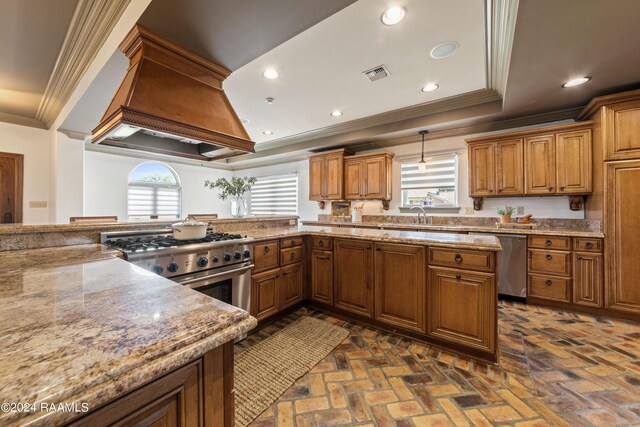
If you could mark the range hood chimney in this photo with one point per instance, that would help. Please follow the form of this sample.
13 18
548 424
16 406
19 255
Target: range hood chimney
171 102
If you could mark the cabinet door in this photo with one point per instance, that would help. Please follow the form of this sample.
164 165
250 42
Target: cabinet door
353 276
509 168
622 237
266 256
265 294
322 276
573 162
539 165
334 168
316 178
622 130
400 286
587 279
291 284
482 169
374 179
461 307
354 176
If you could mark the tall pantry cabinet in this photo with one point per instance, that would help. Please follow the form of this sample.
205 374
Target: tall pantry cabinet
616 195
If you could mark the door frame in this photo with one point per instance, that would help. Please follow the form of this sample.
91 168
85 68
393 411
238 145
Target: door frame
19 186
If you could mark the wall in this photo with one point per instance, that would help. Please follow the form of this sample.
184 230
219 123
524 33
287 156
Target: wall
541 207
34 145
69 177
106 177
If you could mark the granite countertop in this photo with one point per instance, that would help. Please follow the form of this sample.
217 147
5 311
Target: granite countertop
78 324
465 228
444 240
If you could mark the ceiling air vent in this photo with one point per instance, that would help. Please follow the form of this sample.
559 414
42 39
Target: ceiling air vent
376 73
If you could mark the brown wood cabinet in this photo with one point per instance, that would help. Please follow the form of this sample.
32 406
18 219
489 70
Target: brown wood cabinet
621 125
322 276
199 393
400 285
540 158
265 294
482 170
461 308
587 279
292 285
509 168
353 276
368 176
326 175
574 162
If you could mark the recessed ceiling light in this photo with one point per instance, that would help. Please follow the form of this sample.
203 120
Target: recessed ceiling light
268 132
393 15
336 113
270 74
430 87
443 50
270 100
576 82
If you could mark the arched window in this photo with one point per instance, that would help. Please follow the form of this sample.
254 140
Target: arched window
154 192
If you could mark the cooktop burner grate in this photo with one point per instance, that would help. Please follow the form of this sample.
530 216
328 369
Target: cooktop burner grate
144 243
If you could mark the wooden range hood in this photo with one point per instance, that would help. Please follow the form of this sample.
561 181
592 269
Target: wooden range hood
171 102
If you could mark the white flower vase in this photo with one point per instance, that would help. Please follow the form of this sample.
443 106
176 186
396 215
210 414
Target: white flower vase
238 207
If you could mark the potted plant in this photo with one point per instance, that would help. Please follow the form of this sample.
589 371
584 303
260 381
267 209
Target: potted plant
235 188
505 215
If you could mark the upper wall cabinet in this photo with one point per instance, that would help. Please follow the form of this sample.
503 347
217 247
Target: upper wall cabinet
326 176
549 161
368 177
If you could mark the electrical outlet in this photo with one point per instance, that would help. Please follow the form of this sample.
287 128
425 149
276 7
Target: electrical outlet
37 203
469 210
520 210
506 208
292 222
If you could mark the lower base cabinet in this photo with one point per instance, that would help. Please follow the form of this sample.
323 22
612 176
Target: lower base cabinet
291 286
353 276
322 276
265 294
461 308
587 279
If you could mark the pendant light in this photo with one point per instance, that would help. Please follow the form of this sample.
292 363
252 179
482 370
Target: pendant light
422 165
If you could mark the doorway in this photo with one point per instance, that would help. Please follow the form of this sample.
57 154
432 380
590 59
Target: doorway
11 169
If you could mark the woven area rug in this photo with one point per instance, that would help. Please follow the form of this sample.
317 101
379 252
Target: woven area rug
265 371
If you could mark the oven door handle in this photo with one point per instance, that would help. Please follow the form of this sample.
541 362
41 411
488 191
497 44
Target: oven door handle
189 283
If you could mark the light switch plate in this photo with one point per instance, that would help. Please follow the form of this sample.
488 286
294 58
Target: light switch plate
520 210
37 203
468 210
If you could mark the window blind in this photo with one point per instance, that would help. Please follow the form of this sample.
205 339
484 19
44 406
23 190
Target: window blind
145 200
437 184
275 195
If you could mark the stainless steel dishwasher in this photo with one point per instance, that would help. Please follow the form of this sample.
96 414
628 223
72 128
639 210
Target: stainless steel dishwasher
511 265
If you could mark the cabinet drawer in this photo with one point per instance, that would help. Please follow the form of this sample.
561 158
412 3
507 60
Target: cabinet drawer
265 256
291 242
550 262
471 260
586 244
550 242
322 243
549 287
290 255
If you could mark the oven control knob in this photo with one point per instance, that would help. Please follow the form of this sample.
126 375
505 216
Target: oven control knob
227 257
173 267
157 269
202 262
237 255
215 259
247 254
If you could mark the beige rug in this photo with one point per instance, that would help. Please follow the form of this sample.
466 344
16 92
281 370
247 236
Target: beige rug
265 371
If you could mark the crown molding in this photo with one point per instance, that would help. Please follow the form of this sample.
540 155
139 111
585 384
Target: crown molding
91 24
499 27
21 120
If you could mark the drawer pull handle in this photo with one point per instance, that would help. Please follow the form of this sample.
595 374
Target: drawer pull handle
378 248
547 243
293 242
267 249
293 255
321 244
458 258
561 188
548 257
589 245
458 276
550 188
548 282
579 258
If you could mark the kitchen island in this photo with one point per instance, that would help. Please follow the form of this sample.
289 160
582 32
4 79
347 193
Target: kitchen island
88 338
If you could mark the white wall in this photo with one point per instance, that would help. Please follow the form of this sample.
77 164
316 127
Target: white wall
69 177
540 207
34 145
106 177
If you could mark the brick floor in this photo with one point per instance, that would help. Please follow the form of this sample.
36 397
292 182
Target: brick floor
556 368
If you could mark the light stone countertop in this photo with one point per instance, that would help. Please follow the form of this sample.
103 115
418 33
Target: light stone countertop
443 240
78 324
464 229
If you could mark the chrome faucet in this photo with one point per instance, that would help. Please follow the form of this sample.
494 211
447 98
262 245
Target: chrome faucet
422 211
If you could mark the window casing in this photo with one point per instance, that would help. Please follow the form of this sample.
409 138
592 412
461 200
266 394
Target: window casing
275 195
437 187
153 192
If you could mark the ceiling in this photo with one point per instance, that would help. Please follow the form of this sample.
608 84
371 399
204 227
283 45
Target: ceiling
32 32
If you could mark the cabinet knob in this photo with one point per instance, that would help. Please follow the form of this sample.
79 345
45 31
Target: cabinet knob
548 257
293 255
321 244
561 188
548 282
547 243
293 242
500 190
589 245
579 258
550 188
378 248
458 258
267 249
458 276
